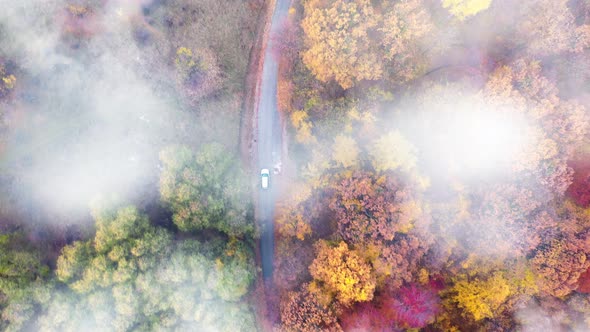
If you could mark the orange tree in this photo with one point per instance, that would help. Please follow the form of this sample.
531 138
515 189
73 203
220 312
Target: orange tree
351 41
373 208
380 215
341 273
303 311
559 264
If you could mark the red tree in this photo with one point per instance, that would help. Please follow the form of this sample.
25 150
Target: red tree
400 260
584 282
367 317
412 307
579 190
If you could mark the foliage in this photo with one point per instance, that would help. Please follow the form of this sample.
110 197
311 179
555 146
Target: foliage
151 282
293 216
197 72
205 190
292 222
410 307
79 22
559 265
545 34
398 262
19 264
404 25
7 82
352 41
303 126
465 8
22 278
345 151
561 125
125 243
393 151
584 282
413 306
503 220
341 273
381 216
292 260
579 190
366 316
303 311
286 41
373 208
337 41
481 298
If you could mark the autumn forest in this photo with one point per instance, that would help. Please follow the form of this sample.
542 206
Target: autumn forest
431 170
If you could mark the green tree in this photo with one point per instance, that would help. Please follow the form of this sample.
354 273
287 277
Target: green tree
206 190
22 278
132 276
124 244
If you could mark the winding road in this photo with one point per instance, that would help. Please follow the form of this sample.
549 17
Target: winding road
269 140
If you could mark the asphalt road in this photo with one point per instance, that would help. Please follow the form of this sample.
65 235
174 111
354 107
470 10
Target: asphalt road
269 141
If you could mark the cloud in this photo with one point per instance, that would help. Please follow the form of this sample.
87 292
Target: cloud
94 120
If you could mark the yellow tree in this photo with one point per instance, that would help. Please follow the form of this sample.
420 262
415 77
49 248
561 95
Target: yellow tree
337 41
465 8
292 222
393 151
293 212
300 120
7 82
342 273
405 24
345 151
481 298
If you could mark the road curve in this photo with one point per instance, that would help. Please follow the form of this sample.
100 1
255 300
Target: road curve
269 140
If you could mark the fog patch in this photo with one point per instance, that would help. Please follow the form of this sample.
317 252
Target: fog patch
459 135
93 122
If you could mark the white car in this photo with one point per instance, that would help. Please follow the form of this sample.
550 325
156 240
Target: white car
264 175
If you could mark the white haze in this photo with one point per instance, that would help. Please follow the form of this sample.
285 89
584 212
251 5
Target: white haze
458 135
100 116
104 122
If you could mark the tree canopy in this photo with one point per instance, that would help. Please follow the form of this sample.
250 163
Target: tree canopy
151 281
352 41
465 8
342 273
206 190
